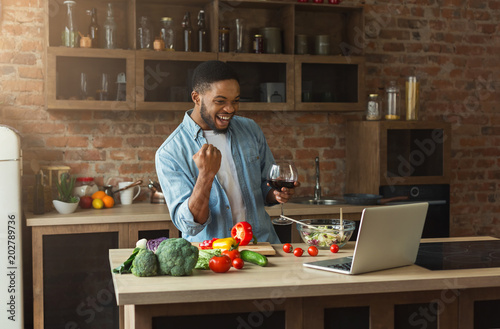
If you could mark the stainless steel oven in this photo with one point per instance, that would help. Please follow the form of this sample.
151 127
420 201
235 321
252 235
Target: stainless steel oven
437 223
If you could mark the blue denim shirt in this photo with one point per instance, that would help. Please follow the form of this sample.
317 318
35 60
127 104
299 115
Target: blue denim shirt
177 174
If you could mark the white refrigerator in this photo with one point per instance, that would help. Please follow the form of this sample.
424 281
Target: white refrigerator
11 290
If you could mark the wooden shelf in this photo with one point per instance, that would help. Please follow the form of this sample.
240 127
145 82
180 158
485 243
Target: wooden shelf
159 80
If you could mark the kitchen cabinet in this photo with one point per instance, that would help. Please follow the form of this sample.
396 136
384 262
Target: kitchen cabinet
161 80
396 153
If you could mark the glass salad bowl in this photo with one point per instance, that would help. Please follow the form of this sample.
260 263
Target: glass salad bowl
326 232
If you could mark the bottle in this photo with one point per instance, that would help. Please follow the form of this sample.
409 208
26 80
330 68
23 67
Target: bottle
202 32
145 34
38 196
187 32
412 98
167 33
70 31
110 30
224 39
373 108
393 101
94 28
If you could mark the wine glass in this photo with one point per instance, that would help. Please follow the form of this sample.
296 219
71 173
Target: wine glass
282 174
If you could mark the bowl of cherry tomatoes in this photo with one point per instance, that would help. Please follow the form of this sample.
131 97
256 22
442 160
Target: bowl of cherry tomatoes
326 232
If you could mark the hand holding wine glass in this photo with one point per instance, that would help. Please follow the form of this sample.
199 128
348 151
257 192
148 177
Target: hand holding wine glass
282 174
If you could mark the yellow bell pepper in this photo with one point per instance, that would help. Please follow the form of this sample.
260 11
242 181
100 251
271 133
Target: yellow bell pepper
226 244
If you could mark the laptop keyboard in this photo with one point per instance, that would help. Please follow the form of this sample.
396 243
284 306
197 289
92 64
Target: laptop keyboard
343 266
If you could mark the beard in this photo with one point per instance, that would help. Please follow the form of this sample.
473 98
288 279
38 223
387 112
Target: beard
209 120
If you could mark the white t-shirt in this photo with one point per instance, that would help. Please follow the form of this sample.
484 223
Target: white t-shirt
227 174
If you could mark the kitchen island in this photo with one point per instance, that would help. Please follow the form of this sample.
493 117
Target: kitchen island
286 295
64 287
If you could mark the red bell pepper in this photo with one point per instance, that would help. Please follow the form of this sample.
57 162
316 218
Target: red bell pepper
242 233
207 244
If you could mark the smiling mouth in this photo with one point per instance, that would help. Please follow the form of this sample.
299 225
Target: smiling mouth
224 118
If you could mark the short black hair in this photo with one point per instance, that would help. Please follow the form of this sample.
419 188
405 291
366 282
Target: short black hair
209 72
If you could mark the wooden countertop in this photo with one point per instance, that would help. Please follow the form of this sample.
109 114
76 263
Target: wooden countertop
286 277
147 212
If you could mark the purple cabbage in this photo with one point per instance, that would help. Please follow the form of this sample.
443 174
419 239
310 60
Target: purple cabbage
154 243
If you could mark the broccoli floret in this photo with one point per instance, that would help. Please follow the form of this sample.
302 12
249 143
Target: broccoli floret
145 264
177 257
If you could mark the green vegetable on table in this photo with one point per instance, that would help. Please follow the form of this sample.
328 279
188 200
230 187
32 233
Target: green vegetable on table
204 258
145 264
177 257
126 265
253 257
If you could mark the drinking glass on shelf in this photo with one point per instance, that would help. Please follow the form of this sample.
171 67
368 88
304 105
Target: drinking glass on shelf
103 92
282 174
83 86
239 35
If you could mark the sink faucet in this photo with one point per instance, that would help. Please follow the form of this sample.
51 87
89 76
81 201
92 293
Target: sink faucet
317 187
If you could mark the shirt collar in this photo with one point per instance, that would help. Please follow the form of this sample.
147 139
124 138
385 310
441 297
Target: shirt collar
193 128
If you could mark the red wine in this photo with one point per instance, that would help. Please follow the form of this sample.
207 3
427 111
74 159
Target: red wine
278 184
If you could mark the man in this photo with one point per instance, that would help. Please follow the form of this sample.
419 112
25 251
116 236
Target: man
213 167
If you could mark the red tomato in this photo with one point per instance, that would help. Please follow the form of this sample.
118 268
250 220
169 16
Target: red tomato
313 251
287 248
220 264
232 254
298 252
238 263
334 248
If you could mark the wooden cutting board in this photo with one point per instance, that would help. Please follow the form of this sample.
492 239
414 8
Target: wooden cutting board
263 248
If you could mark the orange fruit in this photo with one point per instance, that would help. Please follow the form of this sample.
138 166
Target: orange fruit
98 195
97 204
108 201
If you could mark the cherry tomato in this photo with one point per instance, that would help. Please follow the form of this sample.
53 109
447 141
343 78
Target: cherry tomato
298 252
313 251
334 248
238 263
232 254
220 264
287 248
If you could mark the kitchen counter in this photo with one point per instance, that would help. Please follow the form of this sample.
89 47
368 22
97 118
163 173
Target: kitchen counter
303 293
147 212
127 223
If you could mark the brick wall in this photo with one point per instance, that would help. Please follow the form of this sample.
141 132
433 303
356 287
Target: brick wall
452 45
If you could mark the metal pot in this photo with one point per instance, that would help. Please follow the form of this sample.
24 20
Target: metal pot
369 199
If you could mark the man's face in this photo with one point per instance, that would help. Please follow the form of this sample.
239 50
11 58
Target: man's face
218 105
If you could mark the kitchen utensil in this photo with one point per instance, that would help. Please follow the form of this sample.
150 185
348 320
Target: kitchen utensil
156 193
126 193
369 199
125 186
299 222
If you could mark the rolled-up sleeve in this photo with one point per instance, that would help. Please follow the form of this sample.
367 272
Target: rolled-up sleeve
177 185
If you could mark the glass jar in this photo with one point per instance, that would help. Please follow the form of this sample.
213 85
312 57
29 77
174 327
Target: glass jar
393 102
145 34
224 39
373 109
70 31
167 33
258 44
412 98
84 186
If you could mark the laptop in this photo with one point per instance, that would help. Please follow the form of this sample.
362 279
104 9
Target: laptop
388 237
